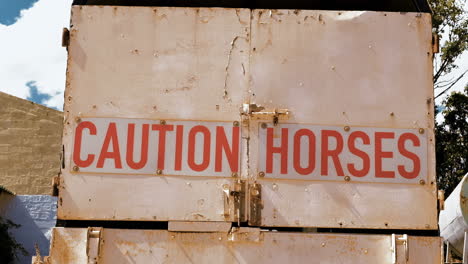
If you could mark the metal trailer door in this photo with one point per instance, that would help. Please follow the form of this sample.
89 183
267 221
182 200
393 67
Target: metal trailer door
247 245
344 135
152 113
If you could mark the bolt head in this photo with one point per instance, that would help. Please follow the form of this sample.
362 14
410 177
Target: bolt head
162 122
264 125
422 182
261 174
78 119
347 178
236 123
234 174
76 168
158 171
346 128
421 131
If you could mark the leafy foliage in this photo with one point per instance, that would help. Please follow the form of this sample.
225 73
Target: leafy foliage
9 248
450 20
452 142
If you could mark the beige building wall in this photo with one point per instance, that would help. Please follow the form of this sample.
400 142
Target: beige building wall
30 145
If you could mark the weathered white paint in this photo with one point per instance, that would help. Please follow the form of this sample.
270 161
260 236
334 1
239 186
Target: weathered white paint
356 69
244 246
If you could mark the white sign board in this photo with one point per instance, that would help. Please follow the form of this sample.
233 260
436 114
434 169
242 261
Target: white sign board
286 151
142 146
330 153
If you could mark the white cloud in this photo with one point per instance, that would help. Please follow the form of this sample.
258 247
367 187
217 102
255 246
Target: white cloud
30 50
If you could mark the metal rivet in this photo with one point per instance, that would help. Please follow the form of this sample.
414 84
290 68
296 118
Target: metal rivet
365 251
172 236
264 125
162 122
323 244
78 120
236 123
76 168
392 114
219 238
275 186
421 131
234 174
422 182
347 178
261 174
158 171
347 128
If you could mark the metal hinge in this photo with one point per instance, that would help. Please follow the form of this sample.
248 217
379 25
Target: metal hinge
234 201
435 43
441 199
93 244
396 240
259 112
256 205
65 37
55 185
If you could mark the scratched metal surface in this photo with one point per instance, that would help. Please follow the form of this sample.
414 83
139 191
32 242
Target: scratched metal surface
345 69
328 68
122 246
153 63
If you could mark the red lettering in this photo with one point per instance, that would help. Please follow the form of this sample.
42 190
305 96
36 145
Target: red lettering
410 155
77 145
282 150
111 137
361 154
297 151
232 154
206 148
144 146
326 152
379 155
178 150
162 143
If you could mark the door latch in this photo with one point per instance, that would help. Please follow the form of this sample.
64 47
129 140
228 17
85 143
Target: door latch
234 201
259 112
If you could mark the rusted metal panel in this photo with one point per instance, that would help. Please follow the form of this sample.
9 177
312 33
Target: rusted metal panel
154 64
358 70
283 68
249 246
68 245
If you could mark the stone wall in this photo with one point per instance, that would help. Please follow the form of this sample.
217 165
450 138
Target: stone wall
30 145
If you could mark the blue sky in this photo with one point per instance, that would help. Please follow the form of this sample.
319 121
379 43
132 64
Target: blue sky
32 60
10 10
